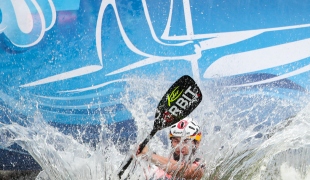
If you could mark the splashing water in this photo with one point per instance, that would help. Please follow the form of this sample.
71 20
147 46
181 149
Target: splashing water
60 156
282 153
247 134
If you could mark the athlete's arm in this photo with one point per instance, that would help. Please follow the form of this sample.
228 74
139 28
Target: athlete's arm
164 163
167 164
192 171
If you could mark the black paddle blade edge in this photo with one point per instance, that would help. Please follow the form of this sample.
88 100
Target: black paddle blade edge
178 102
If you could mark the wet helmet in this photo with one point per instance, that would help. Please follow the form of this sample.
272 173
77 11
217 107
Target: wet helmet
186 127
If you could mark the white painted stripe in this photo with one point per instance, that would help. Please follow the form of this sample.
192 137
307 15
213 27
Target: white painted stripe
93 87
20 22
66 75
259 59
53 10
23 15
188 18
220 34
166 32
148 19
287 75
84 106
2 28
127 41
155 59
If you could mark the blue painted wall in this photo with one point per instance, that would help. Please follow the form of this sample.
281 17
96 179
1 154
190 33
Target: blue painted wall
69 58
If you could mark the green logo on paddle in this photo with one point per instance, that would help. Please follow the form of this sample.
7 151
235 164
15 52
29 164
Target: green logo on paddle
174 95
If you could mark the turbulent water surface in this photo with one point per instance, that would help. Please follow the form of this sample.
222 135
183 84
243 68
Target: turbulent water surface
246 135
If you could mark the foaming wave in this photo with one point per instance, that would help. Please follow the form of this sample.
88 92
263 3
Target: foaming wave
247 134
279 151
61 156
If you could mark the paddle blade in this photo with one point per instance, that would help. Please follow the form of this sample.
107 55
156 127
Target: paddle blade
178 102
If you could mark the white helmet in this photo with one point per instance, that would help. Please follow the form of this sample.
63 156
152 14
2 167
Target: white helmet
186 127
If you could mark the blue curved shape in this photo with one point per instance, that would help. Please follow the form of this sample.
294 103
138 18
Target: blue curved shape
257 77
72 59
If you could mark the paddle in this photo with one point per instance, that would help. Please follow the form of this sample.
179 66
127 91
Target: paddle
178 102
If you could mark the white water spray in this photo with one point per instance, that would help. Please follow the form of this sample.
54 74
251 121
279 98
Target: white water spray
245 136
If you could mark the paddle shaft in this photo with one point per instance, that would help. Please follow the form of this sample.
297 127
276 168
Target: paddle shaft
178 102
142 145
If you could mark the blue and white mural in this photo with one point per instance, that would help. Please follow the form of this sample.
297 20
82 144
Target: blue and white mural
72 60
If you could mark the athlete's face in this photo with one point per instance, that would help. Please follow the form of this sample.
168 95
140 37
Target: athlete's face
183 147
